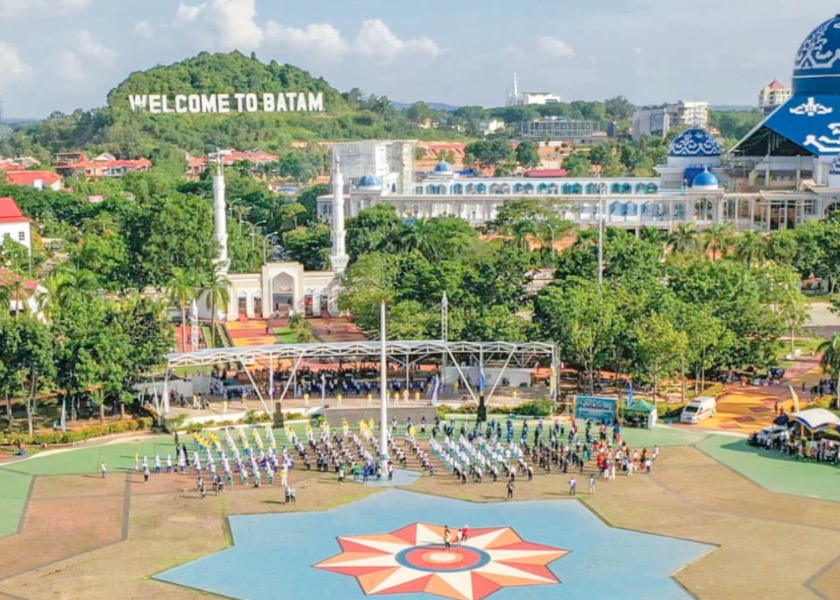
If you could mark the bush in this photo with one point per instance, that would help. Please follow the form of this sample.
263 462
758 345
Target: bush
666 410
536 408
714 391
93 431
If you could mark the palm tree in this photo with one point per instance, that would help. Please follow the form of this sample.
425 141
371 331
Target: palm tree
217 289
716 240
653 235
182 291
684 239
750 248
830 363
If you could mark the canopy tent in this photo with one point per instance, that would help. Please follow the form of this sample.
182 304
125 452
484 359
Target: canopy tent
644 413
816 419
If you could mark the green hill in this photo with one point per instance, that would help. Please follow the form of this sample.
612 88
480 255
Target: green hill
131 133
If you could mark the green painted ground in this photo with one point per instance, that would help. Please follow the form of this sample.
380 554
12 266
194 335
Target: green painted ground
773 471
14 488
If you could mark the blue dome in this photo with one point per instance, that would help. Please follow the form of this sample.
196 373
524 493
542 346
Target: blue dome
835 166
705 181
695 142
370 181
443 167
816 69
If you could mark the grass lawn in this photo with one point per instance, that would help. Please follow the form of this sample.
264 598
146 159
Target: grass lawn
286 336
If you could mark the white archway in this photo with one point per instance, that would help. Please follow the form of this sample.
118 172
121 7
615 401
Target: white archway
283 298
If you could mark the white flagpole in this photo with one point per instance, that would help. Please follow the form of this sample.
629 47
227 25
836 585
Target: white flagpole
383 374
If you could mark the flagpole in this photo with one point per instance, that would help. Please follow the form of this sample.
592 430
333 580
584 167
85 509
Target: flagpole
383 376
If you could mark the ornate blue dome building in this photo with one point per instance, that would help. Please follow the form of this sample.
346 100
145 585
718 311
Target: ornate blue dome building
369 182
695 143
816 69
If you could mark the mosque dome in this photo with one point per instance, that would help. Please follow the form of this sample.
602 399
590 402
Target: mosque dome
369 181
443 167
705 181
694 143
816 69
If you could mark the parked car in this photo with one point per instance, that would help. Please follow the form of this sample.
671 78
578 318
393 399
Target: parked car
699 409
769 435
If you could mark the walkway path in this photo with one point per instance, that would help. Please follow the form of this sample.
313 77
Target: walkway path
250 333
337 329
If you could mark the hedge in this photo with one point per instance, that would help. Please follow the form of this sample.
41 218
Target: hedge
78 435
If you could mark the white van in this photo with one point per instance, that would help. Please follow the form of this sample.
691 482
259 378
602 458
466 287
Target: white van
699 409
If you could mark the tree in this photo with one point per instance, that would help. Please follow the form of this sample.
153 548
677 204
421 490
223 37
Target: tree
750 248
490 153
661 346
528 155
830 363
9 344
716 240
684 239
182 291
34 362
309 245
217 296
582 318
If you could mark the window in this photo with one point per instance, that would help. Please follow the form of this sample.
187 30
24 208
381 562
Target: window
21 236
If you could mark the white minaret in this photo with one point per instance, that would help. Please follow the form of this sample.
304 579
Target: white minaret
220 217
338 256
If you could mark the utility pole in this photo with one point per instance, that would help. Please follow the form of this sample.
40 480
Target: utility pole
383 375
444 334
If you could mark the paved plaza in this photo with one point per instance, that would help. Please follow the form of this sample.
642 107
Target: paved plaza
714 519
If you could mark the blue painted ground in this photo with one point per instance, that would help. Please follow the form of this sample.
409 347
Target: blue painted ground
273 554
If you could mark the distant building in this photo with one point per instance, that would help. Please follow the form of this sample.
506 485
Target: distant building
196 165
517 98
557 128
26 295
658 121
491 126
14 225
77 164
772 96
377 164
18 163
39 180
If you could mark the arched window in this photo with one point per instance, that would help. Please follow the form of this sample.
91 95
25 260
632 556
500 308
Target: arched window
577 188
631 209
626 189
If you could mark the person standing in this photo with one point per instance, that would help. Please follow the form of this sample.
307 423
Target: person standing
447 538
136 461
104 468
145 473
572 486
592 484
464 534
510 487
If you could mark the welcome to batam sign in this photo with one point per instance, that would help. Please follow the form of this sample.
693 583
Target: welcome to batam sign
227 103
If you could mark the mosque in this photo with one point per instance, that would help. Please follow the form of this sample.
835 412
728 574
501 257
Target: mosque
784 172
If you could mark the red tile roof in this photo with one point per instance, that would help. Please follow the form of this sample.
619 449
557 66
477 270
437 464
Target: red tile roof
777 85
546 173
30 177
10 213
9 278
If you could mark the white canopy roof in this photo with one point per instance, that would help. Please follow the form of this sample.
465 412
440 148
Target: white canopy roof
816 419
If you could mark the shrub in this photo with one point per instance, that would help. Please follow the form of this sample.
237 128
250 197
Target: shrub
536 408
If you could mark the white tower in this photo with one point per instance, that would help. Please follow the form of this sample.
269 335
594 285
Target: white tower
338 256
220 217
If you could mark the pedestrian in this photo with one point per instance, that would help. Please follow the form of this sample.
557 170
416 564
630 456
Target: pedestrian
104 468
510 487
146 474
572 486
592 484
447 538
464 534
341 474
136 461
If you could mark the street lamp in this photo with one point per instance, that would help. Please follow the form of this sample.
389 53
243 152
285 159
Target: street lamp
601 233
265 244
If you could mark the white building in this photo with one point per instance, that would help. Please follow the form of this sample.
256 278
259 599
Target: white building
390 163
772 96
658 121
14 226
517 98
491 126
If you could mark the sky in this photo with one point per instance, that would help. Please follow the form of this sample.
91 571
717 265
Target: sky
59 55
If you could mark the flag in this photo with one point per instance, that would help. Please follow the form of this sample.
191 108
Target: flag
630 394
64 414
482 379
271 380
435 386
323 387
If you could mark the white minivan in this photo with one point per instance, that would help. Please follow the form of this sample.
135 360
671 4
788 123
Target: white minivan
699 409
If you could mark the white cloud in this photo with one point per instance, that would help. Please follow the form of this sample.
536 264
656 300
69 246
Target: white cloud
40 8
70 66
144 29
319 40
90 48
187 13
375 40
553 47
11 64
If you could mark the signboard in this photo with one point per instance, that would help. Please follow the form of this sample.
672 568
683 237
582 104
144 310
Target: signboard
595 409
239 102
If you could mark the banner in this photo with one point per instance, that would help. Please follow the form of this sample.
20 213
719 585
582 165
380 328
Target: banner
595 409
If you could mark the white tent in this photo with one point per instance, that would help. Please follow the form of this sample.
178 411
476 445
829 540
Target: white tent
816 419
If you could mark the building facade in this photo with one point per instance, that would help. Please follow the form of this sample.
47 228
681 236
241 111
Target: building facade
557 129
658 121
14 225
772 96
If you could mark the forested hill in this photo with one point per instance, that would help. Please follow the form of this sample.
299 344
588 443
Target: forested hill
129 133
